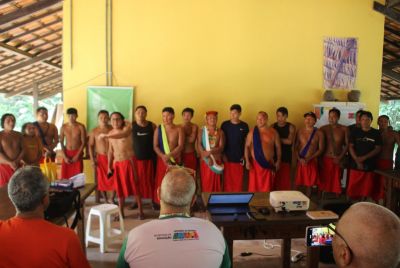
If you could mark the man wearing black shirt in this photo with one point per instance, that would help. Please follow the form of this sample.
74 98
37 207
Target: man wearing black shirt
142 135
287 134
235 134
365 145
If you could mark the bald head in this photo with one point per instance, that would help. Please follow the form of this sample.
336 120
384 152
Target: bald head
177 189
373 234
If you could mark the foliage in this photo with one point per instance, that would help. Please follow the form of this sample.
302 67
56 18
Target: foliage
22 107
391 109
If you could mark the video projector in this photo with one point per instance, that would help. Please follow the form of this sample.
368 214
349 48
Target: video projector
288 201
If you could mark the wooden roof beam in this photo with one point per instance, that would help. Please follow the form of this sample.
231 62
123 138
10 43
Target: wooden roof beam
391 53
50 93
30 61
391 74
28 10
26 55
392 31
389 13
391 64
30 87
393 91
38 37
43 26
5 2
392 43
392 3
30 20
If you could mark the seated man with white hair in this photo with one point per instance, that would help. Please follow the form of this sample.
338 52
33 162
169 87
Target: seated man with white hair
28 240
367 236
175 239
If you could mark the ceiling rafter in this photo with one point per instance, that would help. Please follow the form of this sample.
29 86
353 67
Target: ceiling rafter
30 87
33 30
27 11
30 20
31 61
24 54
387 11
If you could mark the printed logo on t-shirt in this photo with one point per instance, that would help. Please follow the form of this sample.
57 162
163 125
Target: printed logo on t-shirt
162 236
142 133
366 139
180 235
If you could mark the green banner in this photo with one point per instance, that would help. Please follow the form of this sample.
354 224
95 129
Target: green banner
112 99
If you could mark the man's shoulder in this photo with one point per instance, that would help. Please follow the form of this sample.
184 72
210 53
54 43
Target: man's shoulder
243 124
174 223
301 131
375 132
324 127
48 227
80 125
51 126
226 124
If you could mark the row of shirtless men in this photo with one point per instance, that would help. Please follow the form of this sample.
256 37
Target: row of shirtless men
132 158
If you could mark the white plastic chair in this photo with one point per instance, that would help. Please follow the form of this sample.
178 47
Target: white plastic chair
106 234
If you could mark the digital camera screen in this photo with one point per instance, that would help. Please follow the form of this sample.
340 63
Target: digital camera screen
319 236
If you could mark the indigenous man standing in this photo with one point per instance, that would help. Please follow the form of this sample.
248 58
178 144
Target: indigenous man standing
385 160
336 146
75 139
261 144
141 131
11 151
98 150
47 132
32 146
190 130
235 132
309 145
120 164
357 124
287 134
168 143
210 141
142 134
365 146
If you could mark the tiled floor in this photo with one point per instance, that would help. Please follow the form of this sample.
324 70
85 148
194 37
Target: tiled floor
257 259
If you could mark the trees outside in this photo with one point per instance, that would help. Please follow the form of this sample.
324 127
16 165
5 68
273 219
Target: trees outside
22 107
391 108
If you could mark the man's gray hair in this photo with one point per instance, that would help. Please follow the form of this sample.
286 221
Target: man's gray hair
26 188
177 188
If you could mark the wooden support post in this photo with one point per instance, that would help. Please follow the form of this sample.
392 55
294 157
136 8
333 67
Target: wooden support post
35 94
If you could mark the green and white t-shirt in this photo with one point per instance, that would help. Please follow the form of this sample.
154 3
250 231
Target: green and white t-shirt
175 242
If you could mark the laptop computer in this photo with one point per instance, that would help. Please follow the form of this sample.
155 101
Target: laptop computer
229 203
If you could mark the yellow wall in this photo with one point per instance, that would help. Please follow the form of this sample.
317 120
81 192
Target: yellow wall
208 54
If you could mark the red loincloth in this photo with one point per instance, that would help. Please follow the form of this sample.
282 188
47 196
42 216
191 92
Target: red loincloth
103 183
5 174
69 170
260 179
210 181
361 184
145 174
124 178
282 177
329 176
190 160
382 164
161 170
307 174
233 177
